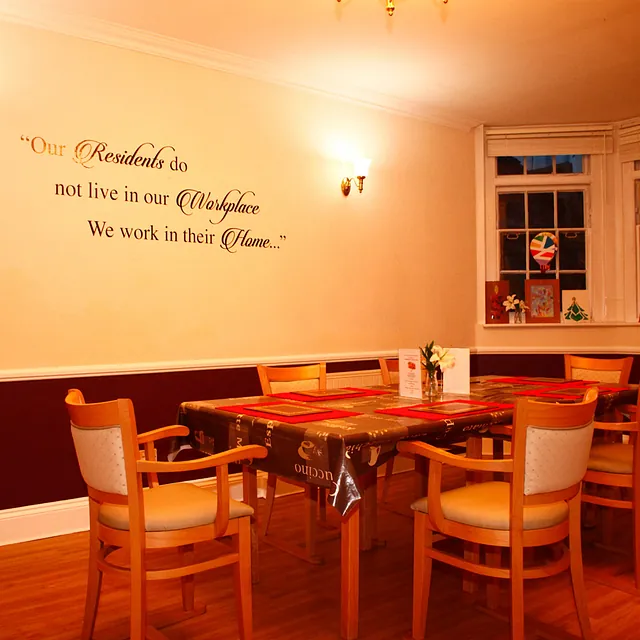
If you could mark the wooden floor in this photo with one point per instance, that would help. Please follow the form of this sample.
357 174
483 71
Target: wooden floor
42 592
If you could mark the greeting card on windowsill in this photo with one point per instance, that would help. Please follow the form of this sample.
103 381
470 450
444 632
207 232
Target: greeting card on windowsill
410 373
457 379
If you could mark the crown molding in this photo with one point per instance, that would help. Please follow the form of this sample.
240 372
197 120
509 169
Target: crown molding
143 41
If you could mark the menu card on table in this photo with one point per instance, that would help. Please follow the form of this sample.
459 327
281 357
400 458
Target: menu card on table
410 373
458 378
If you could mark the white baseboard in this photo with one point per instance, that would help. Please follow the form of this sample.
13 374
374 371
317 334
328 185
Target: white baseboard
38 521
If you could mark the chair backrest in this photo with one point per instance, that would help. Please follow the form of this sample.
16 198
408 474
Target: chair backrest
298 378
611 370
389 368
551 444
105 440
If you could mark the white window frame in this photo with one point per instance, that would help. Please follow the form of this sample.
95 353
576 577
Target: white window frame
613 275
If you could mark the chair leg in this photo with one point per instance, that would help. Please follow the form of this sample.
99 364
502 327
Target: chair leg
187 582
577 572
272 480
422 563
94 582
388 472
242 575
517 587
138 593
635 511
322 505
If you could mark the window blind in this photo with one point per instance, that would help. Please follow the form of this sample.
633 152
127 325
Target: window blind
629 141
540 141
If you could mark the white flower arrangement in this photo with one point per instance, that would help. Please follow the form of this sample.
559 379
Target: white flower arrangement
513 303
436 357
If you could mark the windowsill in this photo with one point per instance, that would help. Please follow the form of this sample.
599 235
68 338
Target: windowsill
563 325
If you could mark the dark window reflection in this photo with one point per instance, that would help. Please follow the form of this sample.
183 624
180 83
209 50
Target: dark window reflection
570 281
511 211
569 164
539 164
510 165
570 209
514 251
572 251
541 209
516 283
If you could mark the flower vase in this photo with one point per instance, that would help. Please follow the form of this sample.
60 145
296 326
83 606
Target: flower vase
431 385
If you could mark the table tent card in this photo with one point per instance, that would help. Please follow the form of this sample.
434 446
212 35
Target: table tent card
410 373
458 378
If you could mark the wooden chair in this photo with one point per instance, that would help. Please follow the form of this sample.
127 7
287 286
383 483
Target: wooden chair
617 465
612 370
279 380
389 369
540 506
124 516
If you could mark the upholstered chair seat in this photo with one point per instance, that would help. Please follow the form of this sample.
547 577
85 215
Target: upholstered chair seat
171 507
612 458
487 505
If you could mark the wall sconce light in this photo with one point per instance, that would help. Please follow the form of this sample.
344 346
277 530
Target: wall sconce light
361 169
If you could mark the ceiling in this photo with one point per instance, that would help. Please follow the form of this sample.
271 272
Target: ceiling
467 62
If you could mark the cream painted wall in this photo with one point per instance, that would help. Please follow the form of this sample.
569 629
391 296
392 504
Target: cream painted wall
355 275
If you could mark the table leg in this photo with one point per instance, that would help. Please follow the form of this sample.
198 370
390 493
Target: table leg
369 519
350 573
250 497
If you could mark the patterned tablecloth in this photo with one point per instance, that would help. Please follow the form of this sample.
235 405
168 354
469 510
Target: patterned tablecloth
334 452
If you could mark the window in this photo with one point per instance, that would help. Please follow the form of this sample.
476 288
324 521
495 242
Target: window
536 165
522 215
577 183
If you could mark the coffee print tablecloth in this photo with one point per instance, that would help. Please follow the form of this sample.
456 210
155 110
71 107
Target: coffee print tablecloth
335 449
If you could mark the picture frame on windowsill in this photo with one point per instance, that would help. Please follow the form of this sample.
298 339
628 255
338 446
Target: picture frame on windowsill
543 299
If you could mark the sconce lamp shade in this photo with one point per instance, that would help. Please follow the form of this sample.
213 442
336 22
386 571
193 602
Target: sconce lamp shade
361 167
361 170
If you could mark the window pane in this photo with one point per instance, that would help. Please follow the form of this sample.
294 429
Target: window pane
510 165
516 283
547 275
570 209
570 281
533 265
511 211
572 251
539 164
514 251
540 210
569 164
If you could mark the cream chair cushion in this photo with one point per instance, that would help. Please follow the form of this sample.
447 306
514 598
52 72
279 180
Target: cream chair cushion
486 505
613 458
596 375
173 506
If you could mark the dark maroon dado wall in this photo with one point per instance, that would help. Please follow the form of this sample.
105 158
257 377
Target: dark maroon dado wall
38 461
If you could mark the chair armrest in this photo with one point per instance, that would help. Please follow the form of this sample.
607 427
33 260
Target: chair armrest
163 432
439 455
616 426
238 454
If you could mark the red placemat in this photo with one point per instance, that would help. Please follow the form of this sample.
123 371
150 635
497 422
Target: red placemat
278 411
543 382
347 392
447 409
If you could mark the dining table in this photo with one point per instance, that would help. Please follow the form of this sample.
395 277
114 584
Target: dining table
337 438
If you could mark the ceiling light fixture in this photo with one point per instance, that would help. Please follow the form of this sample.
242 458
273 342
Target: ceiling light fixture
391 7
